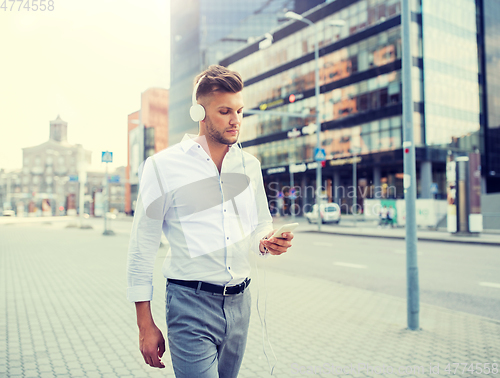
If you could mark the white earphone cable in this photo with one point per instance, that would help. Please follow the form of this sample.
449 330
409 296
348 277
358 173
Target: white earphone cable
265 334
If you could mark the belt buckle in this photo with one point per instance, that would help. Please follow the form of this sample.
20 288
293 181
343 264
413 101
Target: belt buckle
224 291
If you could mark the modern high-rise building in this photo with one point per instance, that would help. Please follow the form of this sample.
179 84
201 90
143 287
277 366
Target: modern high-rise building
361 95
147 134
205 31
489 37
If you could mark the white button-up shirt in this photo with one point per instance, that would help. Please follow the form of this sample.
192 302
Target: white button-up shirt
211 220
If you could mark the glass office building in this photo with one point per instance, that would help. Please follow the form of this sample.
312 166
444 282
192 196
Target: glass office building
490 32
360 100
203 32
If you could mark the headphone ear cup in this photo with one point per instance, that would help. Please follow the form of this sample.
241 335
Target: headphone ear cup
197 113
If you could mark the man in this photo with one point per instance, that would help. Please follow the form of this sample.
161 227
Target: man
208 197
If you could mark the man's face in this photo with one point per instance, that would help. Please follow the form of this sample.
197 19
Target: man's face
224 113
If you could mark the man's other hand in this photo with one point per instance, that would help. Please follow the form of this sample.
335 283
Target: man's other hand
152 345
151 341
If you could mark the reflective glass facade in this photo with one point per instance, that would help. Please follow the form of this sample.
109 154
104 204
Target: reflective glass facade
202 33
451 86
360 86
361 90
376 136
491 12
358 16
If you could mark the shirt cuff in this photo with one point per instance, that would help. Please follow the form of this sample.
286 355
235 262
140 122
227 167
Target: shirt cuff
266 251
256 241
140 293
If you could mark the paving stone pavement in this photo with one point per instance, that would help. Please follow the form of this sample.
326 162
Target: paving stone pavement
65 314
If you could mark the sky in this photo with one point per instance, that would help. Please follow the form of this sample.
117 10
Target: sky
87 61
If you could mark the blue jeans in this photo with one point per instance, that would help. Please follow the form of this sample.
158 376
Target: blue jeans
207 333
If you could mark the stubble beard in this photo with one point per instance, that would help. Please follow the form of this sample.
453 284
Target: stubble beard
216 135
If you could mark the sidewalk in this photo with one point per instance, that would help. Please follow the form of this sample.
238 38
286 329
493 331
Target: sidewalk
316 326
24 220
65 315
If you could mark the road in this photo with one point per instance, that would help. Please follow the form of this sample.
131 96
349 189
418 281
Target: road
456 276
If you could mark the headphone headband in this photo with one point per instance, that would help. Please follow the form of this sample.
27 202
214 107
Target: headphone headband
197 111
195 90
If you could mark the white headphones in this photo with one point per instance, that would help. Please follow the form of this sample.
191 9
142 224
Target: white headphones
197 111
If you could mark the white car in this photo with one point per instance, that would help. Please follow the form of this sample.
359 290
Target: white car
330 213
8 213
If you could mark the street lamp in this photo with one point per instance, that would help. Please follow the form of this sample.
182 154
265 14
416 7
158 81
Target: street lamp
294 16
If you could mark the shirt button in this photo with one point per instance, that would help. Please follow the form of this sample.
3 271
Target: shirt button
208 159
229 267
224 210
199 146
228 238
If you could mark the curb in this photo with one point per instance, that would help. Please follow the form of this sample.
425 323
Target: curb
420 238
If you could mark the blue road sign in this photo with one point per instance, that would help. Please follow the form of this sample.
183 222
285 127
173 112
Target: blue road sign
319 154
114 179
434 188
107 157
73 178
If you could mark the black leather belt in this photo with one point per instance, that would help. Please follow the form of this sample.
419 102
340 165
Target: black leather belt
218 289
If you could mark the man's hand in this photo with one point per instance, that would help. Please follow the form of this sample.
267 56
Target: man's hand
151 341
152 346
277 246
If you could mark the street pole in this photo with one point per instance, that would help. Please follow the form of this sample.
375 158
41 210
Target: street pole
318 122
355 186
107 157
355 150
9 188
82 178
292 205
292 181
410 178
106 203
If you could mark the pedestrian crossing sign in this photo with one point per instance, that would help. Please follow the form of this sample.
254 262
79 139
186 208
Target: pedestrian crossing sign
319 154
434 188
107 157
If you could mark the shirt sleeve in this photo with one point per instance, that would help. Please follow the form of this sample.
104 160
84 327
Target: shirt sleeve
146 233
265 221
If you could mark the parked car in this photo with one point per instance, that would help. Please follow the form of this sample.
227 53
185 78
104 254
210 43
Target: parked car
8 213
330 213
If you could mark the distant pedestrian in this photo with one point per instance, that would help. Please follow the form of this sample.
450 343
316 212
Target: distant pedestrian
383 216
390 216
281 204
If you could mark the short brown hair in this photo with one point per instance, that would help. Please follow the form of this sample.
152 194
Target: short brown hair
218 79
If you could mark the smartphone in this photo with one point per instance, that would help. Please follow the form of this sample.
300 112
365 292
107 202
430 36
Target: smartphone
285 228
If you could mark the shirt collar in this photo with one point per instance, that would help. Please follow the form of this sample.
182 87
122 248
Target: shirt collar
189 141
